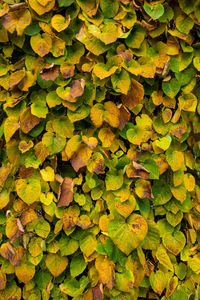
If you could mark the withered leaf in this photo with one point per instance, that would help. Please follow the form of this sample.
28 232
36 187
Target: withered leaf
65 196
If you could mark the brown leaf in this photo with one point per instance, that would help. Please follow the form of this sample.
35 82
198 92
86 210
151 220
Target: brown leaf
81 157
28 121
124 116
134 96
66 192
97 291
77 88
25 172
50 73
135 170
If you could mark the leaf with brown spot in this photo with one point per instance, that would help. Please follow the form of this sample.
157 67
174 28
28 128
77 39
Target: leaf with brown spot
134 96
19 253
67 70
41 151
24 146
13 231
28 216
17 20
2 280
28 121
7 251
65 196
106 270
4 172
143 189
91 142
50 73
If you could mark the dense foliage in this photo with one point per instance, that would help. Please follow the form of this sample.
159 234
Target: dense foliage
100 147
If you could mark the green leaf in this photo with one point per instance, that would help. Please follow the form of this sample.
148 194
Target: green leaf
128 235
171 88
77 265
155 11
54 142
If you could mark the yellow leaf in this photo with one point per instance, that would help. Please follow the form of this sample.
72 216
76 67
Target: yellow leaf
106 270
106 136
39 8
56 264
189 182
25 271
59 23
48 174
111 115
4 198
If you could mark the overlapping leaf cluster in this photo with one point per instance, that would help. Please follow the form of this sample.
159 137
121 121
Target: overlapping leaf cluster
100 147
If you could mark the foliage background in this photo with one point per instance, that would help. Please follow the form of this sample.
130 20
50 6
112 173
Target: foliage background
100 146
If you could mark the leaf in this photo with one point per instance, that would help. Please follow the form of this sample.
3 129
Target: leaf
175 242
97 291
108 113
25 271
54 142
161 193
143 189
188 102
163 258
17 20
136 37
106 269
68 246
125 281
155 11
49 73
81 158
2 280
128 235
158 281
134 96
77 265
28 121
56 264
65 196
171 88
102 71
59 23
41 44
40 9
114 180
28 190
42 228
88 244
